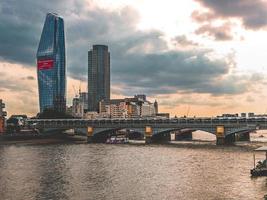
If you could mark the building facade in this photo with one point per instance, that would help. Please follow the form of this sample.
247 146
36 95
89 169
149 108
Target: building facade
98 76
3 114
136 107
51 61
80 105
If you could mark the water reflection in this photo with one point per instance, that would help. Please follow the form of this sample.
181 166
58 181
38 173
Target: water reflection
127 172
53 172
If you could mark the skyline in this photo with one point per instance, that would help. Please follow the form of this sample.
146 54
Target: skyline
211 67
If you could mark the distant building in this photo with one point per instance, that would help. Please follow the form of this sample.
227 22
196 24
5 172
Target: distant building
98 76
92 115
51 69
251 114
163 115
244 115
135 107
84 100
228 115
156 107
3 114
80 105
2 107
77 108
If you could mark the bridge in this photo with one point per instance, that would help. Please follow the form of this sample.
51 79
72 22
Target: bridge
226 130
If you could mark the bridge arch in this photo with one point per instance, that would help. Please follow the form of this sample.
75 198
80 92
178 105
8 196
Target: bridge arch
102 134
184 133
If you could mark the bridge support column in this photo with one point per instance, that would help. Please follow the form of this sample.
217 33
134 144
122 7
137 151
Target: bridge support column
221 138
90 132
180 136
148 134
220 135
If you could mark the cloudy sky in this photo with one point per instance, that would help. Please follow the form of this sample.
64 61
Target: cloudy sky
201 57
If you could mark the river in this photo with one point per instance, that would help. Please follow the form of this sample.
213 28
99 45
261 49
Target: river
135 171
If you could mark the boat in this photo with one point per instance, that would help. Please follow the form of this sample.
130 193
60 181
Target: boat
117 140
261 168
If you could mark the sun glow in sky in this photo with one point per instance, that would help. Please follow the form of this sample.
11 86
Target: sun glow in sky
208 55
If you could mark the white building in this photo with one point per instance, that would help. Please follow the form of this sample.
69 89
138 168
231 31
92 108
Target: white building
135 107
80 104
2 107
77 108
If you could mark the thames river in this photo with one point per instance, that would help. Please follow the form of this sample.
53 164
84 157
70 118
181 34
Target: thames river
136 171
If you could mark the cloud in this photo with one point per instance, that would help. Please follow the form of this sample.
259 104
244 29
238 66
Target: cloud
220 33
141 61
183 71
252 13
28 78
183 42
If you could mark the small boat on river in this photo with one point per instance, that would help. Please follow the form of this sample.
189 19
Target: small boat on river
117 140
260 169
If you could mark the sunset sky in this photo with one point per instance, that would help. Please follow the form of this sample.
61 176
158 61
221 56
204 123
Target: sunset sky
201 57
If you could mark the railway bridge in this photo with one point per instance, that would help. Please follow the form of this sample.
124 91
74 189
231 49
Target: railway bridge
226 130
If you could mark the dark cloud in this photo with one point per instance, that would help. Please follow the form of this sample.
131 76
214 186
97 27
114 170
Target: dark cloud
253 13
21 25
183 41
169 72
140 60
220 33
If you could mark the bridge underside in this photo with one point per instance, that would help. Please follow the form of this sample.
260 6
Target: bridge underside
159 135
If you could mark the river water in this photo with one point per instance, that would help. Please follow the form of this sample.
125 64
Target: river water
99 171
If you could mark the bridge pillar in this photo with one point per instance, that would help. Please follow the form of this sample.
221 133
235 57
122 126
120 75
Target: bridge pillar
220 135
180 136
148 134
221 138
90 131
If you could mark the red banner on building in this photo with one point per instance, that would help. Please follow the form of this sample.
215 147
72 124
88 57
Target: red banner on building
45 64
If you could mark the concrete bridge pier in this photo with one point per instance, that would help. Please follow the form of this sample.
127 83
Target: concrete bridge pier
155 135
90 132
148 134
222 138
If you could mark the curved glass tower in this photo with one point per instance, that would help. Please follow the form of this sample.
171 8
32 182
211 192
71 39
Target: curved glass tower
51 65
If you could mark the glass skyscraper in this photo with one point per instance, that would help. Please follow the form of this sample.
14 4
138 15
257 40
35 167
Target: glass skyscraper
98 76
51 68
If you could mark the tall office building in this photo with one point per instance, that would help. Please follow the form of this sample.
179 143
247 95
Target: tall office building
51 68
98 76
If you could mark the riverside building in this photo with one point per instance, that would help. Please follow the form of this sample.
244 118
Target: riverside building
3 114
98 76
136 107
51 69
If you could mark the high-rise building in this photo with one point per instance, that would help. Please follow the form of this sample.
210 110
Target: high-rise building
2 116
51 69
98 76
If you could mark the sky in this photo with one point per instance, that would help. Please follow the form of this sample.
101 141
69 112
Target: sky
195 57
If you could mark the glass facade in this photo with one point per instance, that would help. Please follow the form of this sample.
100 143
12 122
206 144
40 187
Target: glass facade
51 68
98 76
